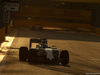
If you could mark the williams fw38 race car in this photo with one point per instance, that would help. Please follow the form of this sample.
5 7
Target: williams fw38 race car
42 53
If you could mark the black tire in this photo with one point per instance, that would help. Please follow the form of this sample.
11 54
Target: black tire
33 28
23 53
64 56
40 28
32 56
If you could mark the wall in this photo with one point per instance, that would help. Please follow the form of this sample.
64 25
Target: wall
2 34
30 23
2 26
95 21
54 17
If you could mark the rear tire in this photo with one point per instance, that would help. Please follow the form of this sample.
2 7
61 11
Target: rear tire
33 28
64 56
23 53
40 28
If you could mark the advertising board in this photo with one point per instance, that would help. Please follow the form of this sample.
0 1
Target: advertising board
12 6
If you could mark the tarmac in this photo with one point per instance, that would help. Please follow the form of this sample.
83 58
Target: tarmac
83 47
4 47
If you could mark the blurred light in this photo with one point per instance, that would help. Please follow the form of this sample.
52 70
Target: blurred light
26 6
1 57
29 18
63 3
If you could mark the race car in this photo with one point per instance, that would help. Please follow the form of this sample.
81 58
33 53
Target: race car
41 52
37 27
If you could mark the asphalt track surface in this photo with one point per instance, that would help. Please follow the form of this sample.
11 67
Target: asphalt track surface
84 50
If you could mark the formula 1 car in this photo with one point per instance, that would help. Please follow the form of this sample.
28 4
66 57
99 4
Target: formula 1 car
43 53
37 27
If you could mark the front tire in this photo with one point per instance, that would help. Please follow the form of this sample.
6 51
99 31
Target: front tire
23 53
32 56
64 56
